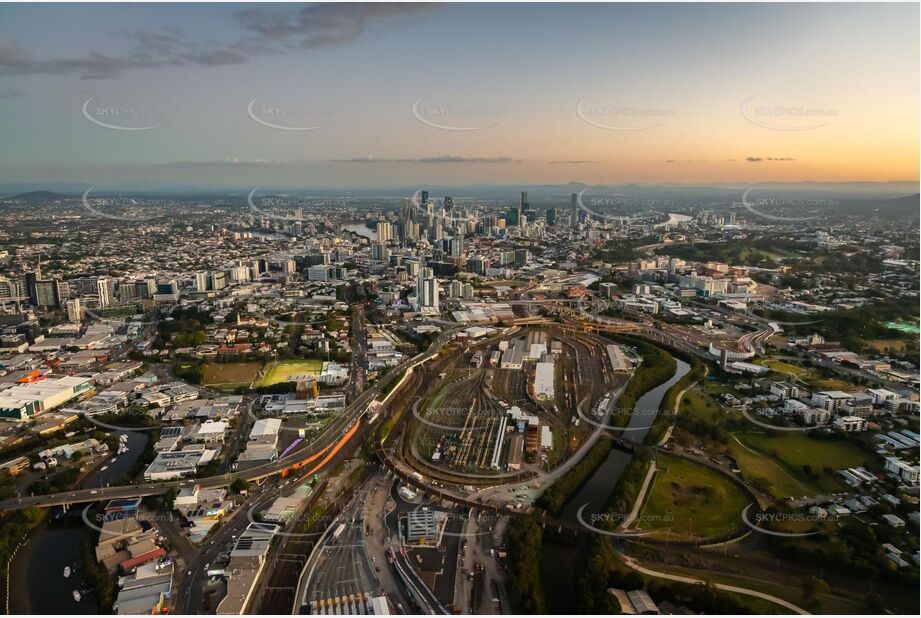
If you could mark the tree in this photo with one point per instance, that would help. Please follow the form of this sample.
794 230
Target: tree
814 586
239 485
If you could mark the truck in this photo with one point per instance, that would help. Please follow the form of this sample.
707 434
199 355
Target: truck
339 530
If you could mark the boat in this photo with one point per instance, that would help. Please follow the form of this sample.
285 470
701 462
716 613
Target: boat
104 468
77 596
67 571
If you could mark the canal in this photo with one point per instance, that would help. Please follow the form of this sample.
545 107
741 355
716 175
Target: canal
561 558
37 581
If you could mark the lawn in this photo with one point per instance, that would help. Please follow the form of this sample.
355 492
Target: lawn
781 367
754 465
700 406
281 372
793 450
691 500
230 373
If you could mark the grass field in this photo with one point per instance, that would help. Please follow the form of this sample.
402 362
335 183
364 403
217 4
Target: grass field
890 345
781 367
280 372
755 465
230 373
792 450
690 500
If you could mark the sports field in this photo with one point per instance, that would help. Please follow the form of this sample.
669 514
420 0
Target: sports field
230 373
285 370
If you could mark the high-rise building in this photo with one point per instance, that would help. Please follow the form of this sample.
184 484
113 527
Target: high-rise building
74 310
384 231
457 245
46 293
427 291
105 289
574 210
201 281
30 280
379 252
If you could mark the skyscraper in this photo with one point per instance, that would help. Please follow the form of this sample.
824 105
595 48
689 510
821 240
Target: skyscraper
74 310
384 231
574 210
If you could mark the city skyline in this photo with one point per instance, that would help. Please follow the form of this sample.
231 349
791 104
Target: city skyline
368 96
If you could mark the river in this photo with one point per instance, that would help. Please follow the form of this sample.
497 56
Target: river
37 574
362 230
560 561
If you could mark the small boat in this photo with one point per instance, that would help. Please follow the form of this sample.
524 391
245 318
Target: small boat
104 468
77 596
67 571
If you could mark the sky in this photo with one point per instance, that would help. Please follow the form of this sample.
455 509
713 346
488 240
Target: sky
363 96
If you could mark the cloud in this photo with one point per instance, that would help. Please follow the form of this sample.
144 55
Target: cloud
572 162
323 25
760 159
265 31
10 93
439 159
689 161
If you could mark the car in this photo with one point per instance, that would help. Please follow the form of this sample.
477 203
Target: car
189 574
94 492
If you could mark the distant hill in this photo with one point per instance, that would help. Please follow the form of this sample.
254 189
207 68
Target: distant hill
35 197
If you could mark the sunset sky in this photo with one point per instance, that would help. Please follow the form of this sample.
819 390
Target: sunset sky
389 95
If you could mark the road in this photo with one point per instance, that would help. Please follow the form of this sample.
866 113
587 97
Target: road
631 563
306 450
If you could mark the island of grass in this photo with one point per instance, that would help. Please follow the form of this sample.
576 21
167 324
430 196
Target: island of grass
286 370
689 501
795 463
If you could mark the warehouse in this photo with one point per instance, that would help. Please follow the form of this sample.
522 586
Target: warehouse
22 401
543 381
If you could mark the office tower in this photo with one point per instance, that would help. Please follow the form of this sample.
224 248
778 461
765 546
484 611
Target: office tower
425 199
551 217
201 281
521 257
379 252
74 310
30 279
45 293
573 210
218 280
104 291
449 203
457 245
522 206
477 265
62 291
384 231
